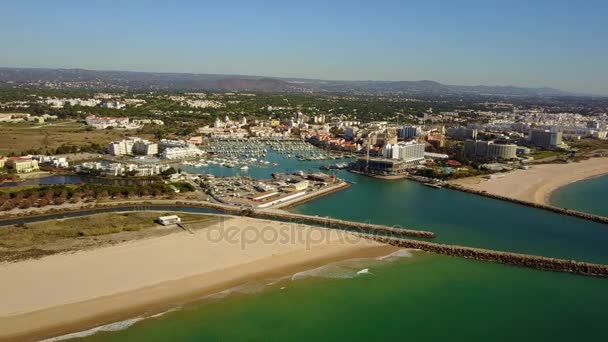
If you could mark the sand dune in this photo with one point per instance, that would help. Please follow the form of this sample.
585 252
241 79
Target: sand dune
540 181
65 293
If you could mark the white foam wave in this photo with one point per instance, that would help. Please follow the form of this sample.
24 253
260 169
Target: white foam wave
160 314
117 326
363 271
333 271
248 288
401 253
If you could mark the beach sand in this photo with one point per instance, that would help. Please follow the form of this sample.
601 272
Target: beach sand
72 292
540 181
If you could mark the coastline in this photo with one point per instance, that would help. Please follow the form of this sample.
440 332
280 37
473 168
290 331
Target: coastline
165 272
540 182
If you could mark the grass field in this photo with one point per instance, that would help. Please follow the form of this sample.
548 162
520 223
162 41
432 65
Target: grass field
21 137
589 145
36 235
545 154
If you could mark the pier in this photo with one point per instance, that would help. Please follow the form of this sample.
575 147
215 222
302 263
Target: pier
563 211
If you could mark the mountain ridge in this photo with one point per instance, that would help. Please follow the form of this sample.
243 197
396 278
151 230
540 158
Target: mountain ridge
133 80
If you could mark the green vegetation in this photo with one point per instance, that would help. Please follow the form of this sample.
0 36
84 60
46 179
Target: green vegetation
40 233
41 196
545 154
589 145
56 138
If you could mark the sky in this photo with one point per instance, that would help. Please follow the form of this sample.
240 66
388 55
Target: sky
561 44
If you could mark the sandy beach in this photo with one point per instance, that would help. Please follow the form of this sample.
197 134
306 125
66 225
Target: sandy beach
65 293
540 181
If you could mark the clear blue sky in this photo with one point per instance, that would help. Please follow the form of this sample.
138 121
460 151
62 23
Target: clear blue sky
562 44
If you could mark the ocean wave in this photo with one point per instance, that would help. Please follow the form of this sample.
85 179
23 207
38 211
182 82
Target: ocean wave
247 288
348 269
333 271
117 326
160 314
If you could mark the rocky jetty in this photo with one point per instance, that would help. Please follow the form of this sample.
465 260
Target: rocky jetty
563 211
329 222
516 259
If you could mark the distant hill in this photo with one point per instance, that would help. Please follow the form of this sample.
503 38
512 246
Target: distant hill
129 80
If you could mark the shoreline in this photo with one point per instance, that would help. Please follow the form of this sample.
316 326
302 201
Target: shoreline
551 193
539 183
57 309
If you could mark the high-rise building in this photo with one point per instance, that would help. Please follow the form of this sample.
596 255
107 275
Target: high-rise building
410 152
545 138
407 132
489 149
132 145
462 133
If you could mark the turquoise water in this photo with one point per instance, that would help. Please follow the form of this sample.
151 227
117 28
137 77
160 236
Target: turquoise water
464 219
588 195
425 297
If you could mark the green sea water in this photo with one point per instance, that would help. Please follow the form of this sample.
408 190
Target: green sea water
422 297
590 195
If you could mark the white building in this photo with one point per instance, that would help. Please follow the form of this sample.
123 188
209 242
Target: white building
132 145
166 143
407 132
181 152
113 105
101 122
167 220
52 160
411 152
119 169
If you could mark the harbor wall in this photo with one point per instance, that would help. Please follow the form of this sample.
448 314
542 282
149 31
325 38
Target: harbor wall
311 196
515 259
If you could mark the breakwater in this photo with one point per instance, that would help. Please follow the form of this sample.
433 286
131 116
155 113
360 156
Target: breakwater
563 211
329 222
515 259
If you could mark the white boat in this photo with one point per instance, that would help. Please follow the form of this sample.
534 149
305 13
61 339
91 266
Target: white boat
245 168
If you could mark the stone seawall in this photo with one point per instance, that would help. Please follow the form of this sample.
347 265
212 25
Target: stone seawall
516 259
563 211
